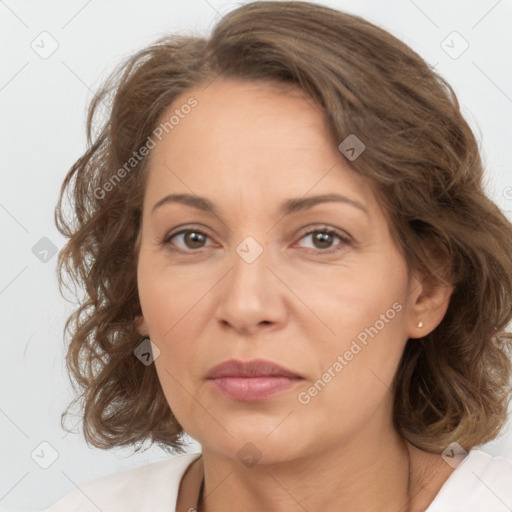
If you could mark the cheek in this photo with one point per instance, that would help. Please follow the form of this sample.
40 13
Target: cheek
173 304
360 301
171 300
365 313
358 365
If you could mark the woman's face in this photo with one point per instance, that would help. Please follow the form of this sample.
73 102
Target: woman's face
260 267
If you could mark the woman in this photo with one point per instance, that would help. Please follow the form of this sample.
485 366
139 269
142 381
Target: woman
287 254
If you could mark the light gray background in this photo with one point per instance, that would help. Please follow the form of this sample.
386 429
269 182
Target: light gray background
43 103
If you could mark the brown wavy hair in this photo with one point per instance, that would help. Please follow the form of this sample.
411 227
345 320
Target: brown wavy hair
453 384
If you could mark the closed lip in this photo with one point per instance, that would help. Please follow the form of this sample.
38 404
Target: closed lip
254 368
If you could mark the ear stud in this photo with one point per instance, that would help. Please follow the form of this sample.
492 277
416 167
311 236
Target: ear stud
420 324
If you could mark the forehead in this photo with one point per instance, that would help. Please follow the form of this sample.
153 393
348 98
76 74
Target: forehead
250 113
251 138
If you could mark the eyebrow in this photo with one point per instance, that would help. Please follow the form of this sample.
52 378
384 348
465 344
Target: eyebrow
289 206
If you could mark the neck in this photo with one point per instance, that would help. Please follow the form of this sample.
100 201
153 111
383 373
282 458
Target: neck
371 472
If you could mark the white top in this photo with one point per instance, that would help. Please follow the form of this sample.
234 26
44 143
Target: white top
480 483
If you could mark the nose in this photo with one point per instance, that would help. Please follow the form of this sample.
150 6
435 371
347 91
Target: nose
252 298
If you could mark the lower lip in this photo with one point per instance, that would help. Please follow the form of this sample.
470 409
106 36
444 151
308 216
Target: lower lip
252 389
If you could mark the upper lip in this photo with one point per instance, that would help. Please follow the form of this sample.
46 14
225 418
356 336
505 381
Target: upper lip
254 368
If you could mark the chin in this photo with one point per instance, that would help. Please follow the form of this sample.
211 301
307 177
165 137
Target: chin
263 442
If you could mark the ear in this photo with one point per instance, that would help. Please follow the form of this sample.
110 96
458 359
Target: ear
142 326
429 298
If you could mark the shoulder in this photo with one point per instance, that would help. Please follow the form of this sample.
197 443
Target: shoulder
151 487
480 483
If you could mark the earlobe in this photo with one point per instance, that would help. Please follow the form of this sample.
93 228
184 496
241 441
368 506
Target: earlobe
142 326
430 303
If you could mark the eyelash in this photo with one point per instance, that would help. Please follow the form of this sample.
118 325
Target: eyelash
324 230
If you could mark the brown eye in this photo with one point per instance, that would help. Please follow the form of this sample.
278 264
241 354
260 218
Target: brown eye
194 239
188 239
322 240
325 240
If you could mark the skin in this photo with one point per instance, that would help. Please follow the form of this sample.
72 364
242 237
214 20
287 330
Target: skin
247 147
